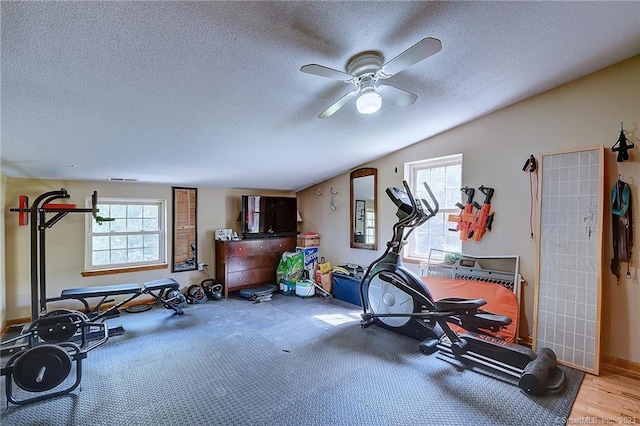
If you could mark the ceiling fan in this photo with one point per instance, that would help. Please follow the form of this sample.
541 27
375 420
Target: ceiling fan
365 70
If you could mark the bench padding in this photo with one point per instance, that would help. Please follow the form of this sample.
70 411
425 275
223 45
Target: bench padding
162 284
100 291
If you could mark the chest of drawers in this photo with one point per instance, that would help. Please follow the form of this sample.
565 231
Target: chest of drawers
249 263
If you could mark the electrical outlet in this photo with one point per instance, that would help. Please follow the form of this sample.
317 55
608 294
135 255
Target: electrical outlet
202 266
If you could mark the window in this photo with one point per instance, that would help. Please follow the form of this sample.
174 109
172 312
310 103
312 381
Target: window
136 236
370 226
444 177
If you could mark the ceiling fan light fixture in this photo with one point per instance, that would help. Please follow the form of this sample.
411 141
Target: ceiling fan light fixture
369 102
365 69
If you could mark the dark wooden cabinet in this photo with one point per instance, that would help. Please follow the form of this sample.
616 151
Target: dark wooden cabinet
250 263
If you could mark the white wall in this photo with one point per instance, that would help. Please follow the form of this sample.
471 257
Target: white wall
3 285
217 208
583 113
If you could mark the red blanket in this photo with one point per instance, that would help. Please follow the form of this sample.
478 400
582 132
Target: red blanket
500 300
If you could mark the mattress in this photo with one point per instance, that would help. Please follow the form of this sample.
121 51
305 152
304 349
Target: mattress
500 300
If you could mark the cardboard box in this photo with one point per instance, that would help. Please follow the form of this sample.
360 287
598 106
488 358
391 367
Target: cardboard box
310 258
308 240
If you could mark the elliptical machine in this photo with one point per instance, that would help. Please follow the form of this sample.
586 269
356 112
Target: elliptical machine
386 302
395 298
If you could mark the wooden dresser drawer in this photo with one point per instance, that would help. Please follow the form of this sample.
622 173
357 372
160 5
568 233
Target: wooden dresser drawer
239 248
283 244
260 247
252 276
242 263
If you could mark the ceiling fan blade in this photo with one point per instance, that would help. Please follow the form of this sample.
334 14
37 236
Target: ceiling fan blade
337 105
399 97
323 71
416 53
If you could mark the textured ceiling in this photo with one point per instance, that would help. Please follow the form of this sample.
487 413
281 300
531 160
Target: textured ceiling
211 93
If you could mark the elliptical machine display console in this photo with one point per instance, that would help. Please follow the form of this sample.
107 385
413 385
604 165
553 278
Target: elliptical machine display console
394 297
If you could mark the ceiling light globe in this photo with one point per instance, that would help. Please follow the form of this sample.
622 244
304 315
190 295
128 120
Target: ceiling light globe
369 102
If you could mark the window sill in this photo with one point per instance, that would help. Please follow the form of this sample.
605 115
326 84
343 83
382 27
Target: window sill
98 272
415 260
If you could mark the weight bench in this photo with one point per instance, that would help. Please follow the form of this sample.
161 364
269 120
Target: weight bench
107 291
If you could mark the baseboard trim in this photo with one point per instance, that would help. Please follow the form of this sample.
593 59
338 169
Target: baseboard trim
9 323
27 320
621 366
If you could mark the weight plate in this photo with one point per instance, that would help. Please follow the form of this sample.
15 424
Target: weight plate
133 309
76 314
42 368
57 328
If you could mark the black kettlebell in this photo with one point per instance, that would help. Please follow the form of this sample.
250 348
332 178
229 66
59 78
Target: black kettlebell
211 289
196 294
216 292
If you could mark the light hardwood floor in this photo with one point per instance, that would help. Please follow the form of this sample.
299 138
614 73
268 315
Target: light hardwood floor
610 398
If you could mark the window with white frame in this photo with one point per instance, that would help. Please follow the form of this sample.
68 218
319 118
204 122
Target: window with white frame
444 177
369 226
135 236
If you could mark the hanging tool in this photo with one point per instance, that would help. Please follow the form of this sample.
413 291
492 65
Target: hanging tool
531 167
622 146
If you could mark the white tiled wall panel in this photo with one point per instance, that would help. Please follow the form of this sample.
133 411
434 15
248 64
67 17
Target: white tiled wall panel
569 252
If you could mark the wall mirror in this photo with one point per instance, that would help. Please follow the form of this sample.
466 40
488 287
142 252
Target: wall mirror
364 221
185 235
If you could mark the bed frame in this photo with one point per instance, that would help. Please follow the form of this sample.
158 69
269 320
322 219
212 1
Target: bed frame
502 270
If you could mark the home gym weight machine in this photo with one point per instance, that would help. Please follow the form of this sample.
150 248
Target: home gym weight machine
36 217
44 359
42 355
397 299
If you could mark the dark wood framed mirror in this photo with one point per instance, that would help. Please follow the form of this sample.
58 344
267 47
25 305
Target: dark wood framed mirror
185 232
364 206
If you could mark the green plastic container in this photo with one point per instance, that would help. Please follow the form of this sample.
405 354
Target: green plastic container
305 288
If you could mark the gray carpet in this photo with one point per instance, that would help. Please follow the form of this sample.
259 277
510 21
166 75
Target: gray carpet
233 362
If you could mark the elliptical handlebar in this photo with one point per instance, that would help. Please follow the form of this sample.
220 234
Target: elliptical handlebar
435 209
416 216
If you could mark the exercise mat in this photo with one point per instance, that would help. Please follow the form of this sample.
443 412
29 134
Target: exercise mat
292 361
